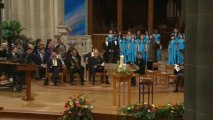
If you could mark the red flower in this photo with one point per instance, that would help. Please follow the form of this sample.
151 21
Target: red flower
78 105
153 109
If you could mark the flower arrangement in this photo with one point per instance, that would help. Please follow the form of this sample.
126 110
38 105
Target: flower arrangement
150 112
78 108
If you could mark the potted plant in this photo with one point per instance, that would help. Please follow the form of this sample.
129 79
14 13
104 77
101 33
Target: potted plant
11 30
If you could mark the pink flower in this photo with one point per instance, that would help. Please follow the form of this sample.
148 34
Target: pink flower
78 105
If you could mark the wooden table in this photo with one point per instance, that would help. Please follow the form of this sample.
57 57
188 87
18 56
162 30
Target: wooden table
121 78
27 68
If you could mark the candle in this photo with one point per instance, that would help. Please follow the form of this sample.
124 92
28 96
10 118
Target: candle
121 60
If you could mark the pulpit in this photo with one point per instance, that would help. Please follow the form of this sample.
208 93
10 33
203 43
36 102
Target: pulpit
121 78
27 68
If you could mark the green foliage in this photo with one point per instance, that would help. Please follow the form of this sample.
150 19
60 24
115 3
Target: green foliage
150 112
11 30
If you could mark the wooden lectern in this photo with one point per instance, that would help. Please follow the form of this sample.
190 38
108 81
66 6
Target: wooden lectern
27 68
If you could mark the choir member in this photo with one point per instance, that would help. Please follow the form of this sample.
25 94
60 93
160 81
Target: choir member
107 50
180 49
157 36
152 48
115 50
172 51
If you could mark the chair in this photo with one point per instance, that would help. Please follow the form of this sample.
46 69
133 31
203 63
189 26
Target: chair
156 65
164 77
102 74
170 72
146 82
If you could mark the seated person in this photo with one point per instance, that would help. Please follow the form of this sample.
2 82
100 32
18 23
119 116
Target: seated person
179 77
94 64
73 63
141 64
55 66
27 57
86 58
13 55
11 70
41 61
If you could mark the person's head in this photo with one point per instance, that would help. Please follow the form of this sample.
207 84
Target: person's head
146 32
138 32
57 51
175 30
53 55
38 41
132 37
139 54
29 40
14 49
156 31
60 41
181 36
124 37
110 31
74 52
142 37
120 33
151 38
18 45
96 53
50 44
115 38
41 45
106 39
29 51
129 33
42 51
172 37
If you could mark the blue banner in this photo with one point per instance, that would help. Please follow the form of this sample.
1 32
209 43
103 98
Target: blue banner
75 16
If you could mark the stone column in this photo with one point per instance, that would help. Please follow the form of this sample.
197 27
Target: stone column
120 14
199 60
90 17
150 15
39 17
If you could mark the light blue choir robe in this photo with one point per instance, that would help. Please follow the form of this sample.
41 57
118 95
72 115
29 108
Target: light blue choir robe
176 36
157 40
119 38
181 47
110 38
123 49
131 53
128 39
172 52
137 42
146 38
142 49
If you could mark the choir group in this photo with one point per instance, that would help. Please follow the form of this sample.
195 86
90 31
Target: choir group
129 44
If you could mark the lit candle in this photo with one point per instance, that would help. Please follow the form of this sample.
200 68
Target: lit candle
121 60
